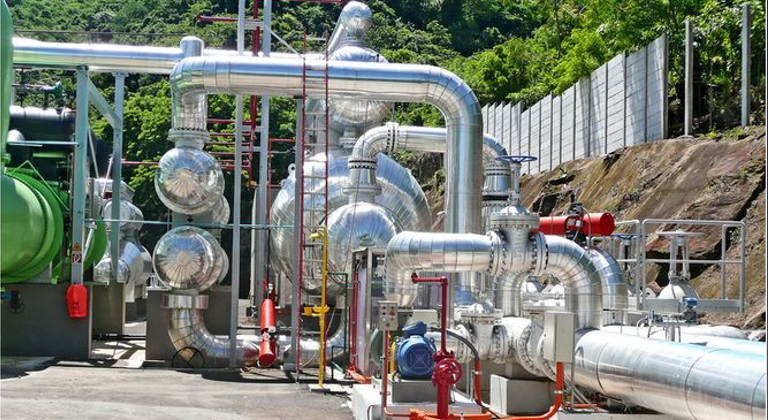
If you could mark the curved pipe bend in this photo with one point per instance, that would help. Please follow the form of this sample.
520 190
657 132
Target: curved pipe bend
356 80
572 265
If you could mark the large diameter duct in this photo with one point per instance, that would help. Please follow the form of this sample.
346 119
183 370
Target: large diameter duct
614 287
572 265
392 82
411 252
681 380
354 21
189 335
691 335
400 194
109 58
356 225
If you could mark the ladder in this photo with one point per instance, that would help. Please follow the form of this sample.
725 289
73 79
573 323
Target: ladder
314 205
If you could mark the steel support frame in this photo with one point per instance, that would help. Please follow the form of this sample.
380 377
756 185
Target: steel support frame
87 94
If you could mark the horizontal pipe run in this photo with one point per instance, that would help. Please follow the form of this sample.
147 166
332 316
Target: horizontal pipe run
196 76
682 380
105 58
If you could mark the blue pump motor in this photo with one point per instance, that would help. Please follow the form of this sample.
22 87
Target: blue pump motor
414 353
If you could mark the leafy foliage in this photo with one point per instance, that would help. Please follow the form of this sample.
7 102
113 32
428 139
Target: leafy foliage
506 50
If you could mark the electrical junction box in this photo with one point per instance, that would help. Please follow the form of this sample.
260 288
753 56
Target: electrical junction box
559 336
388 315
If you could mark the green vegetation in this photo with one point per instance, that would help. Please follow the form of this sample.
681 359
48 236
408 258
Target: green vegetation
506 50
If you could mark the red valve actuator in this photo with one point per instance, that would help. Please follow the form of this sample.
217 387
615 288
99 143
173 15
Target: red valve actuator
592 224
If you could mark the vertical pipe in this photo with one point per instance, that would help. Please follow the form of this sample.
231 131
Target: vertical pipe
264 183
745 64
299 161
79 176
688 82
117 175
235 272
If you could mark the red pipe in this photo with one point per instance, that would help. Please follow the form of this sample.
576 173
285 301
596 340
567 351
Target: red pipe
591 224
267 327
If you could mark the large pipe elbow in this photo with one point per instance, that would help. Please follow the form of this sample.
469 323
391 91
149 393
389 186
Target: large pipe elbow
614 288
190 337
572 265
360 81
354 21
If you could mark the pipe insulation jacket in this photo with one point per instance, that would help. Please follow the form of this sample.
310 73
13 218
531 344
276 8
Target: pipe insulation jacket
197 76
681 380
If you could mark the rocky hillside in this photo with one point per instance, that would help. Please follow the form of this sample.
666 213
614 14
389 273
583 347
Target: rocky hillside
719 178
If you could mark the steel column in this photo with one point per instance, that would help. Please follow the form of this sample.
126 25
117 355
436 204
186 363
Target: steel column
235 274
117 175
299 161
264 188
80 172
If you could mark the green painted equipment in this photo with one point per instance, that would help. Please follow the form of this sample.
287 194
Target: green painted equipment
32 215
32 227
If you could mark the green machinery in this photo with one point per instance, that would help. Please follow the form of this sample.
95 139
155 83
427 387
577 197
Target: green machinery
35 208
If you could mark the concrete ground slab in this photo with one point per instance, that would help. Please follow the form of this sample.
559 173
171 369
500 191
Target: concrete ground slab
76 390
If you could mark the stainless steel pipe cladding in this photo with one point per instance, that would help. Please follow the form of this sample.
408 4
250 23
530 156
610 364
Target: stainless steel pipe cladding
189 258
571 264
410 252
614 288
385 82
189 335
400 195
681 380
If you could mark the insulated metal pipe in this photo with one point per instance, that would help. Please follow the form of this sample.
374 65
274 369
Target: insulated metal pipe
681 380
691 336
108 58
189 335
572 265
614 288
410 252
387 82
355 19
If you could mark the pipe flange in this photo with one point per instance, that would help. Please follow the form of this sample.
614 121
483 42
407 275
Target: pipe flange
393 137
363 190
523 354
177 301
362 163
496 254
191 138
539 252
501 350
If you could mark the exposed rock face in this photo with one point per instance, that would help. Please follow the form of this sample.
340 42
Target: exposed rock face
703 179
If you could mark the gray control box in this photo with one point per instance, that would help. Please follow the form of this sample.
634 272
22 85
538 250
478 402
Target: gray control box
559 336
388 315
